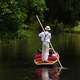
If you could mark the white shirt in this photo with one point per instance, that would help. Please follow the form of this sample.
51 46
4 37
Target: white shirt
45 36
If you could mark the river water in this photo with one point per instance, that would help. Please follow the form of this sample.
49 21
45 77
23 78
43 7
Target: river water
17 68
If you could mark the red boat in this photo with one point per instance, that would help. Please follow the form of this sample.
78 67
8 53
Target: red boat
52 58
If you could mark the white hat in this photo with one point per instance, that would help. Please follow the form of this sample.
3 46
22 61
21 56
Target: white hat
47 28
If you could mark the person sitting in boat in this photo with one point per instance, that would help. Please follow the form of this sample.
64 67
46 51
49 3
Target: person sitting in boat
45 38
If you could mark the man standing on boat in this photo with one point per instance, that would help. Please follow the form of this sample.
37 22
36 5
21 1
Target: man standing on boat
45 38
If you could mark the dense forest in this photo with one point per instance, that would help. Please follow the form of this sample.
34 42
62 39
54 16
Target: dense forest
15 14
66 11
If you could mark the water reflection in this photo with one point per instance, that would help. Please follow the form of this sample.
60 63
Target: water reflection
17 61
45 73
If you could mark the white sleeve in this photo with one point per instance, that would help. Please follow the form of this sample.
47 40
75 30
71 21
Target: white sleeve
40 34
50 35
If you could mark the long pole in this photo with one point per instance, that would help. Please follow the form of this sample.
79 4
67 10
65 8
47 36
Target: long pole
50 42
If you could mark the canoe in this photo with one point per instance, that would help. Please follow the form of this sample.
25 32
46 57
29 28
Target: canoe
52 58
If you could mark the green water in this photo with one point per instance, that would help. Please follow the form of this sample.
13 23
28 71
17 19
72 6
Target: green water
16 59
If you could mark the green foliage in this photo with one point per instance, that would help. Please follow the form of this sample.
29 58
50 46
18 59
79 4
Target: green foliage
40 4
35 7
11 16
16 14
66 11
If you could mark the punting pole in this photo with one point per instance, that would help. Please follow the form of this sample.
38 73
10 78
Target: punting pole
50 42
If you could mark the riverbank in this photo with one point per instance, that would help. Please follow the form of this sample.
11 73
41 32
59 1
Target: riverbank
20 45
75 29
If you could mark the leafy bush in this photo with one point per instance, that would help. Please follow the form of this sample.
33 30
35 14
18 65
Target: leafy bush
11 16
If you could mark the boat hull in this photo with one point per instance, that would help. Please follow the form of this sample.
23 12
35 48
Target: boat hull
52 58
